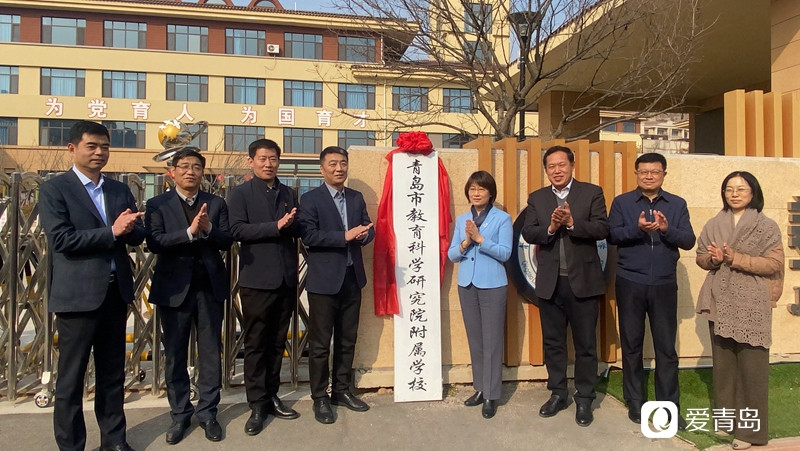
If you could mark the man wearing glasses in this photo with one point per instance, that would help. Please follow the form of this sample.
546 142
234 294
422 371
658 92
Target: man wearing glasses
188 228
649 225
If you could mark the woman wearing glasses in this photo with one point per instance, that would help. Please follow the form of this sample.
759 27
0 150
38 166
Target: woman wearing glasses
743 252
481 243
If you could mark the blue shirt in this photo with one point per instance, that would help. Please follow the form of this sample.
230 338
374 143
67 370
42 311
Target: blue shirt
649 258
98 199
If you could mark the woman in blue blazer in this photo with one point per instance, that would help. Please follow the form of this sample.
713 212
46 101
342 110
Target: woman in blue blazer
481 243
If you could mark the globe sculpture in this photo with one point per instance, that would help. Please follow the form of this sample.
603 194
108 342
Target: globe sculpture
175 135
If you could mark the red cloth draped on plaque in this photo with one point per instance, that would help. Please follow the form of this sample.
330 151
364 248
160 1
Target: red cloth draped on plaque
384 281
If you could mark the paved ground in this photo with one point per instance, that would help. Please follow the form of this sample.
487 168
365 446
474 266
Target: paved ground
437 425
441 425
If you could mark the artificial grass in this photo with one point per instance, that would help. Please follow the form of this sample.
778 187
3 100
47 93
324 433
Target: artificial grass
697 393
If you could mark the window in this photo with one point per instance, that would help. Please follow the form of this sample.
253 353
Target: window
238 137
407 98
187 88
184 38
244 90
8 131
298 45
306 184
357 97
610 127
9 28
130 35
457 101
661 131
54 132
124 85
245 42
349 138
478 18
59 30
675 133
265 4
455 140
126 134
302 140
302 93
477 50
628 127
356 49
201 141
62 82
9 80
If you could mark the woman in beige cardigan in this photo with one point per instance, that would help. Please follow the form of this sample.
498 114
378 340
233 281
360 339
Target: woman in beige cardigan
743 252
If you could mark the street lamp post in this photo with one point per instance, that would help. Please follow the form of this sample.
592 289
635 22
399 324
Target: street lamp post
524 23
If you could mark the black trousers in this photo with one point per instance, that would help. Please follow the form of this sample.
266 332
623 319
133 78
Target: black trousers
267 314
201 309
333 316
660 304
78 333
581 314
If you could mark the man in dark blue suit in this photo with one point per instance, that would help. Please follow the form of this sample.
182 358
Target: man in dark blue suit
188 228
334 226
262 219
89 220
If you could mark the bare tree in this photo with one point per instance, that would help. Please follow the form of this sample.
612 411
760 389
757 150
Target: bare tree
630 55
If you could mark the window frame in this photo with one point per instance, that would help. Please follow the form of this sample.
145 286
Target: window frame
397 96
13 24
172 91
200 32
111 33
13 79
232 42
303 44
244 133
345 136
110 83
307 137
348 49
46 82
307 90
63 127
448 100
346 90
238 87
9 128
117 135
48 28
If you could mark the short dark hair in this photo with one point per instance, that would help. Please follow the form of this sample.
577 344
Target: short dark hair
80 128
651 157
554 149
263 143
330 150
484 180
188 152
757 202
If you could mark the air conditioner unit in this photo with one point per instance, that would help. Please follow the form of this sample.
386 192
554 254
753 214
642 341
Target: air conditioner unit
273 49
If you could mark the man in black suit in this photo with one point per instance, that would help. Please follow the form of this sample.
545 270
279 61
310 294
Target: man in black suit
334 225
262 219
89 220
566 219
188 228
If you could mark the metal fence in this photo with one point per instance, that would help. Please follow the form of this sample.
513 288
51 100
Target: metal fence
28 341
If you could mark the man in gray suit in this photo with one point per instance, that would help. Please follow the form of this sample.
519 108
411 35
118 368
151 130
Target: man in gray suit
566 219
89 220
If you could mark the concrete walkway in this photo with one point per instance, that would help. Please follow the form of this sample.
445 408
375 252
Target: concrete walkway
441 425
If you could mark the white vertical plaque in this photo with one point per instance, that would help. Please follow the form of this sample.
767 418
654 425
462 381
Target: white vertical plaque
417 328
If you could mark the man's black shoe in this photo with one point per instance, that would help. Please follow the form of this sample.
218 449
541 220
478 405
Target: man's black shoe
489 408
349 401
213 429
635 412
176 432
583 414
255 424
323 412
277 408
124 446
475 400
681 423
553 405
